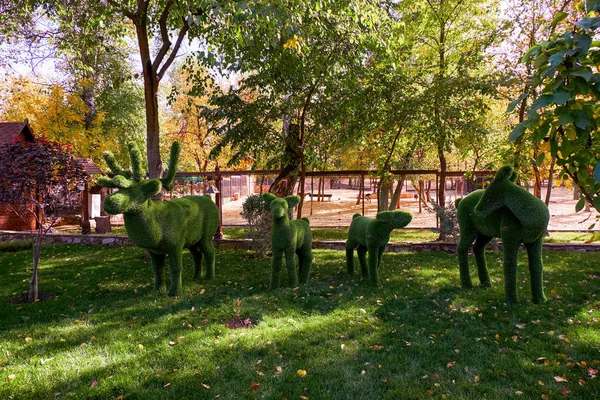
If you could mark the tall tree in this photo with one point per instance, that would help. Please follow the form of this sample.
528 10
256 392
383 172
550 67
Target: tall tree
297 54
564 110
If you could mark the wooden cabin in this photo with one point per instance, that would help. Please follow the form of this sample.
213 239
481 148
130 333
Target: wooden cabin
11 132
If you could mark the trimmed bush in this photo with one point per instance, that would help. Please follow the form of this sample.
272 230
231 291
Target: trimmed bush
507 211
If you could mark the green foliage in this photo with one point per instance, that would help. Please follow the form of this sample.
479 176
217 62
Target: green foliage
418 333
503 210
565 109
372 235
256 211
162 227
448 220
289 238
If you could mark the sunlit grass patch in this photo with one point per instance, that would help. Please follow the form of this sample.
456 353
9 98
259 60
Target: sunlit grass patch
106 334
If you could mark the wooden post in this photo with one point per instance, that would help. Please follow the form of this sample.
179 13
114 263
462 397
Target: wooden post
219 201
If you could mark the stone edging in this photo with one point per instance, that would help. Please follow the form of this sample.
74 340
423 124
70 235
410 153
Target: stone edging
245 244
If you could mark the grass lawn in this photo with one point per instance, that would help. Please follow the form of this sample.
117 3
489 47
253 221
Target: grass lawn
107 335
397 235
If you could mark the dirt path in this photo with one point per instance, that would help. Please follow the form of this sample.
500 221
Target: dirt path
338 211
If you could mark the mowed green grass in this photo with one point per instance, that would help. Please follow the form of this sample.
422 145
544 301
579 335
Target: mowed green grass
107 335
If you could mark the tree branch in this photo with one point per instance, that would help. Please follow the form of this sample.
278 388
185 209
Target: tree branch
182 32
164 34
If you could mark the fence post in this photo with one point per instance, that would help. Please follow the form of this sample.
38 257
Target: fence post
219 201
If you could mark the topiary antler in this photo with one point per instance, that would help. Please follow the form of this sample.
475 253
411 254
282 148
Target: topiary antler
121 178
169 175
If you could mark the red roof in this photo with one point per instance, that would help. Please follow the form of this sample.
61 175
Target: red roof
19 130
89 166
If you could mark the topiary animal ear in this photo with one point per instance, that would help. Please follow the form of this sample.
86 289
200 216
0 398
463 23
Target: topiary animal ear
505 172
513 178
268 197
384 216
292 201
150 188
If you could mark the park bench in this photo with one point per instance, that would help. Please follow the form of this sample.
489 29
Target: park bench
313 195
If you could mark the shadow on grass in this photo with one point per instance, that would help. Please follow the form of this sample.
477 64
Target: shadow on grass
418 335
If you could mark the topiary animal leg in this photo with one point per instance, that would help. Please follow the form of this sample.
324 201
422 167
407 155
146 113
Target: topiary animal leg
158 268
534 256
175 269
305 263
361 251
467 236
290 265
197 255
276 268
510 248
479 250
350 245
208 250
373 261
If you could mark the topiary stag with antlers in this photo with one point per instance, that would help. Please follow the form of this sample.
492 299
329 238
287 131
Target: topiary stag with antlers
162 227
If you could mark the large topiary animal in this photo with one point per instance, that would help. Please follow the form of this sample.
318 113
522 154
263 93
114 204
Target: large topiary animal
372 235
289 237
162 227
507 211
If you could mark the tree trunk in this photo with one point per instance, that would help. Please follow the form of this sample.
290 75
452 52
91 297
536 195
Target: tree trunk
394 203
285 182
37 248
152 124
442 182
88 98
550 182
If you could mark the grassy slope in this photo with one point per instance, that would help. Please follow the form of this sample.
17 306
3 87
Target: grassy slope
417 336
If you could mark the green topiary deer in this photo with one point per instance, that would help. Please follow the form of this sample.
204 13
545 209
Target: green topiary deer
507 211
372 235
162 227
289 237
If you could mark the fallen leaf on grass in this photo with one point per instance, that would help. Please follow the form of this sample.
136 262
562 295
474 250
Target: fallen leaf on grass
167 384
301 373
451 364
560 379
141 346
304 397
592 372
564 391
10 377
254 385
476 379
545 396
94 384
278 370
375 347
205 386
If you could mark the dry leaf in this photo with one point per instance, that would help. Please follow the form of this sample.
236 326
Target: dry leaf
363 372
167 384
278 369
560 379
28 339
375 347
476 379
545 396
94 383
141 346
301 373
205 386
254 385
564 391
202 291
10 377
304 398
451 364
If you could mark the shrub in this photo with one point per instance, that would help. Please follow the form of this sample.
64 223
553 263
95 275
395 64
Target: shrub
448 221
256 211
15 245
